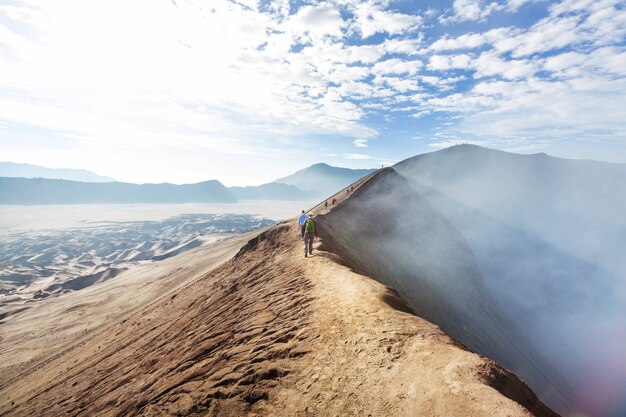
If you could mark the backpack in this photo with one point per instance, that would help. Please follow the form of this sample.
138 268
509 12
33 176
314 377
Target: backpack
309 226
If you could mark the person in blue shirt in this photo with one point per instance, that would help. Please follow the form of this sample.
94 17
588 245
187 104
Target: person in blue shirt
301 221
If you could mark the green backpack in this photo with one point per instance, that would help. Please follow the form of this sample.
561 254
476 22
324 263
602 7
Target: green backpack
309 226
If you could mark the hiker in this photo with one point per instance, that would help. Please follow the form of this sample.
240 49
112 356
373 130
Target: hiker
310 234
326 204
334 201
347 191
352 188
301 221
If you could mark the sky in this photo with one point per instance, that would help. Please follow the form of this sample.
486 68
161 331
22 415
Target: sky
247 91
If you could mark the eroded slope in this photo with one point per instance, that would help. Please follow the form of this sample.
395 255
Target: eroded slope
270 333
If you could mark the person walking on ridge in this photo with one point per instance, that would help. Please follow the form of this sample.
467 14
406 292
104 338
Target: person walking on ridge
301 221
310 234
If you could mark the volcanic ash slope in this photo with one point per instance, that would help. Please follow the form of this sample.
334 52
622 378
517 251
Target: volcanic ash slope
268 332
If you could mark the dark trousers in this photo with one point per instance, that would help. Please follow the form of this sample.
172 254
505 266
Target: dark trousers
302 232
308 243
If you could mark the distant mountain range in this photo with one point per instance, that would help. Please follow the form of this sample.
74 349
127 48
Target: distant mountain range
50 191
322 180
14 170
315 182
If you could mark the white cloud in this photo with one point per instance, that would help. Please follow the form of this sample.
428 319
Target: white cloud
489 64
547 35
421 113
316 22
478 10
221 79
565 65
358 156
250 4
446 62
175 64
568 6
399 84
372 19
236 78
365 53
570 23
404 46
442 84
431 12
467 10
473 40
280 7
397 66
327 53
513 5
607 61
70 135
468 41
536 110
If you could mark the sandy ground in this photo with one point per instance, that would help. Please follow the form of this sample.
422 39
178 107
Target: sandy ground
268 332
56 324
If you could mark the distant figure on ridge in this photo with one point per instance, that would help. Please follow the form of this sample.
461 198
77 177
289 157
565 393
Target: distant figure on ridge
301 221
310 234
326 204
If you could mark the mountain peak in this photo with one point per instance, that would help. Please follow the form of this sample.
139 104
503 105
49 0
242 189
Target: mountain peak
17 170
324 180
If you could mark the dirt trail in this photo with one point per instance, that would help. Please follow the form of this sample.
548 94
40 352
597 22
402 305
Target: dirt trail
267 333
371 356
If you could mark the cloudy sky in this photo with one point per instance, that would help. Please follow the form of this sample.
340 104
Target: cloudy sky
246 91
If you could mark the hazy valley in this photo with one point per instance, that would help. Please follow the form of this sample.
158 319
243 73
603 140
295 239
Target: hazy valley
37 265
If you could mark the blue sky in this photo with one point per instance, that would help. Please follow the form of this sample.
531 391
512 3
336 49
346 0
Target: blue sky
247 91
